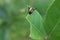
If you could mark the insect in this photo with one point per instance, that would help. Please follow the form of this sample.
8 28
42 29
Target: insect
30 10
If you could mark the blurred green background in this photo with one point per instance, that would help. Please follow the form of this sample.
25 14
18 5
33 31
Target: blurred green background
13 24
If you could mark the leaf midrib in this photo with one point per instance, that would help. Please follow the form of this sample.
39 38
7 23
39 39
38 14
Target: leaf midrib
54 28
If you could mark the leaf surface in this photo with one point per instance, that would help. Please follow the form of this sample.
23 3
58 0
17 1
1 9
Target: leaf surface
36 27
52 21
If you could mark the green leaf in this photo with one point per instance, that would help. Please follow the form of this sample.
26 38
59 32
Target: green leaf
55 33
52 21
36 27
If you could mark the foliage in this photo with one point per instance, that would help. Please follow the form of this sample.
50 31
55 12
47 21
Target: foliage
17 24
